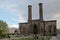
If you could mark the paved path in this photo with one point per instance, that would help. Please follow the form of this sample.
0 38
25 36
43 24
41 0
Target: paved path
56 38
53 38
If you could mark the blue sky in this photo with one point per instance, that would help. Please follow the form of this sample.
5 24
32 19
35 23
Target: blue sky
8 17
16 11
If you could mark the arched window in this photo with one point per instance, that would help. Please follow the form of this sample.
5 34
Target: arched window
49 28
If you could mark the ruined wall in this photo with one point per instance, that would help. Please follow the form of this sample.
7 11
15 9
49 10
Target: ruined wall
24 28
45 28
50 28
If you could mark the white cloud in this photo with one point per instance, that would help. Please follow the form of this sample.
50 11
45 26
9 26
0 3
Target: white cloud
13 26
20 19
12 6
56 16
52 7
9 7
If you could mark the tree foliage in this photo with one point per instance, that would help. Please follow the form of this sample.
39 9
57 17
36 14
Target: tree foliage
3 27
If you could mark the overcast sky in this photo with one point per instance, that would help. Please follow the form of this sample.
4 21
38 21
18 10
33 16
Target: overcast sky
16 11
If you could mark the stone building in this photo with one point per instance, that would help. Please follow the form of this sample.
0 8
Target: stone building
38 26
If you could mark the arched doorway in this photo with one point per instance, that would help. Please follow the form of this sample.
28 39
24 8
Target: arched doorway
35 30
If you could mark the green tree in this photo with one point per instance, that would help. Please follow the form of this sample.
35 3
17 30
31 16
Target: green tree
3 27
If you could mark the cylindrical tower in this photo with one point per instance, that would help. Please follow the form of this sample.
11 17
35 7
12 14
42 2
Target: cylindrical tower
29 13
40 12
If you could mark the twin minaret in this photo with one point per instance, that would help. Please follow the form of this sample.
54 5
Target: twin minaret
29 13
40 12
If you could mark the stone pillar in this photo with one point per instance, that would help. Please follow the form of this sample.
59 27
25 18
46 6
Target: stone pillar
40 12
29 13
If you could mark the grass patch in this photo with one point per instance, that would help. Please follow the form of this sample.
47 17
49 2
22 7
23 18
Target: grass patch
40 38
24 39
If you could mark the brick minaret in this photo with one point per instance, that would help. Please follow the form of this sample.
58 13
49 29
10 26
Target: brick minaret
40 12
29 13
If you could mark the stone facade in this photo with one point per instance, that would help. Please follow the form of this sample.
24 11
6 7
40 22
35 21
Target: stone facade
38 26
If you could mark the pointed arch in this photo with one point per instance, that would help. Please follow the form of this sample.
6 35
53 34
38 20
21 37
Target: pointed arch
35 30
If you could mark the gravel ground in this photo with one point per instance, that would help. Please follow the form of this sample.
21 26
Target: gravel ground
56 37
